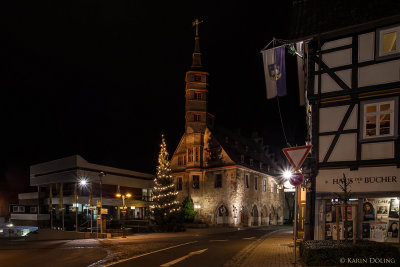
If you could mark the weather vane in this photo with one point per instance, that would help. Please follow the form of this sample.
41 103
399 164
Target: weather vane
196 23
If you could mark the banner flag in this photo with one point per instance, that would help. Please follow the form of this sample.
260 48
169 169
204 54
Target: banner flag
275 71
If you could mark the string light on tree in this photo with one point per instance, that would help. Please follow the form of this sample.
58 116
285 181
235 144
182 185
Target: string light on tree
165 206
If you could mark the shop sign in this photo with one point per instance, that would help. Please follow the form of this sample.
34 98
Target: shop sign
373 179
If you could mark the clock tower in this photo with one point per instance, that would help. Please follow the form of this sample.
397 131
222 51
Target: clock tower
196 117
196 91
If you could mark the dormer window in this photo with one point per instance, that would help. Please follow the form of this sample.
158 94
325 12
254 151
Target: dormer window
242 158
261 165
251 162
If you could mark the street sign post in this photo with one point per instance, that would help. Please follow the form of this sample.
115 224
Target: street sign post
296 157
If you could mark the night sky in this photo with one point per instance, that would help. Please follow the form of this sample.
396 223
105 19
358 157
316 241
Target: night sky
104 79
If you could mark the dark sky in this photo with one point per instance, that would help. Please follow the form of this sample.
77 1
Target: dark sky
104 79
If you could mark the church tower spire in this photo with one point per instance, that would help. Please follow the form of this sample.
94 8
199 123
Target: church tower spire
196 91
196 62
197 119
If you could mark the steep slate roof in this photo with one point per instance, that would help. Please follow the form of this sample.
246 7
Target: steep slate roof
235 144
310 17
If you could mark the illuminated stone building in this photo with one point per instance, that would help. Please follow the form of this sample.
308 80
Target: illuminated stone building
230 178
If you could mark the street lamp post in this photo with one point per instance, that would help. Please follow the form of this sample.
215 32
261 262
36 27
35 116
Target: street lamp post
82 183
123 196
287 174
101 174
99 217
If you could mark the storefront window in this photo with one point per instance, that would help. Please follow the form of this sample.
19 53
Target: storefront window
379 219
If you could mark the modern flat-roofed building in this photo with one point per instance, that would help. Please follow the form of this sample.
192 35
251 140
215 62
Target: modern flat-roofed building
68 187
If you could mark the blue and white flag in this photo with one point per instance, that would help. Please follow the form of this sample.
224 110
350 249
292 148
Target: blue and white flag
275 71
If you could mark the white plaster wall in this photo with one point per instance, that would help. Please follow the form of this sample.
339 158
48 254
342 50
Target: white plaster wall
345 148
336 43
324 143
366 47
331 117
353 119
380 150
381 73
338 58
329 85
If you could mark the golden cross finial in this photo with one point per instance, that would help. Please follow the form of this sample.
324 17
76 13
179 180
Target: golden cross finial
196 23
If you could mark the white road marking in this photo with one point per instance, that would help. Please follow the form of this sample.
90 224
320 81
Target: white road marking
144 254
248 237
183 258
222 240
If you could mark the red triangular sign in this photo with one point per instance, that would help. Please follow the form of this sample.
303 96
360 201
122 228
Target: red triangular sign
296 155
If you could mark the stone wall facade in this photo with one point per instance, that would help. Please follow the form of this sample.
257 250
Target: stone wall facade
236 202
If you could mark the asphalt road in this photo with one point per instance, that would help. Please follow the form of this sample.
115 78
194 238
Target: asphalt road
209 250
171 249
74 253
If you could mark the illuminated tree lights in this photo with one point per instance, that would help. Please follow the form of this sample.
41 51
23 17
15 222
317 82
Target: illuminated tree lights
166 209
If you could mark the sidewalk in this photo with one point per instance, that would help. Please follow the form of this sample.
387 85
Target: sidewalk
274 250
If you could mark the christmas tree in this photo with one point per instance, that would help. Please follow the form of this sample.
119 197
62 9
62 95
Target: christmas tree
166 209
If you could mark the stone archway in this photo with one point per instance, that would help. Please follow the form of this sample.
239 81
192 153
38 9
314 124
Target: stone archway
279 216
244 217
272 216
221 215
264 215
254 215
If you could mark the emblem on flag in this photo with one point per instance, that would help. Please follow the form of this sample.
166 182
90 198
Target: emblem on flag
274 72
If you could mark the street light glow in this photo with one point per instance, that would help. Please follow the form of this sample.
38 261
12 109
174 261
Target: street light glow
118 195
128 195
287 174
83 182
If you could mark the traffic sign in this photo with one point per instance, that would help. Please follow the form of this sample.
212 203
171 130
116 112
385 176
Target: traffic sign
296 179
296 155
98 203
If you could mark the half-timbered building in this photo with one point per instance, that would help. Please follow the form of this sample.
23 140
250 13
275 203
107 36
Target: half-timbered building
351 71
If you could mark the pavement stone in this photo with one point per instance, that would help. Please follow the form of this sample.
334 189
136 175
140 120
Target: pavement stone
274 250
